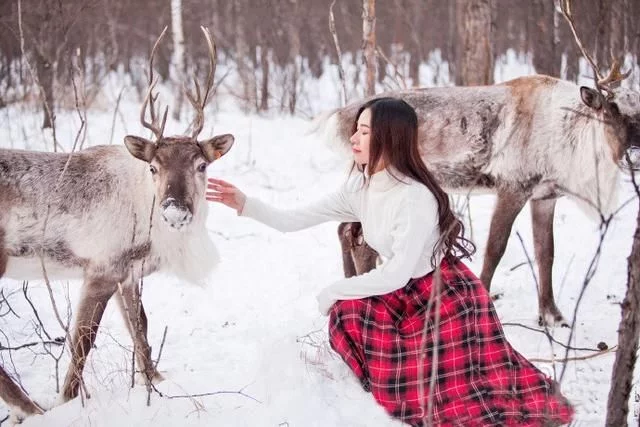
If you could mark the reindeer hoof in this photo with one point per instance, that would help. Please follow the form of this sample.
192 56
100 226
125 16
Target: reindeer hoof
156 378
17 414
552 320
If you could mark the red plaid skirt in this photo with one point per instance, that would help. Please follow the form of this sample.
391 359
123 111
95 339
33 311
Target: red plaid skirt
478 380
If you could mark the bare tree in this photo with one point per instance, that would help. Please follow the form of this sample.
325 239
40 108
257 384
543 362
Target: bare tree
243 55
178 65
476 57
544 42
628 332
369 43
617 23
293 33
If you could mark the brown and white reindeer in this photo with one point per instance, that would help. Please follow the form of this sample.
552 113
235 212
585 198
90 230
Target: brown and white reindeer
533 139
110 215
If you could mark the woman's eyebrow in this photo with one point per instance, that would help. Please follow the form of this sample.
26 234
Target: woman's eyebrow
363 124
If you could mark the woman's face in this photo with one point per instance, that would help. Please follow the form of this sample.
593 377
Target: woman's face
360 139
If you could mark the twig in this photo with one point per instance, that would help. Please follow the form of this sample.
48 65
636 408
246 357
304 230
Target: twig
25 286
575 358
213 393
591 271
548 335
164 338
5 300
115 113
332 29
398 78
78 99
31 344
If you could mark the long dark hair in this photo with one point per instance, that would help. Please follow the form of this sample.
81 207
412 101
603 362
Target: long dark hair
394 143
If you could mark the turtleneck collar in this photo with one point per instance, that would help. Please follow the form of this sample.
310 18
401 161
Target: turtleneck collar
384 179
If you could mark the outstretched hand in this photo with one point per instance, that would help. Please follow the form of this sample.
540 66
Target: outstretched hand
226 193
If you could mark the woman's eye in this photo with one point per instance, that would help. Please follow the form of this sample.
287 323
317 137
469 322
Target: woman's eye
153 169
202 167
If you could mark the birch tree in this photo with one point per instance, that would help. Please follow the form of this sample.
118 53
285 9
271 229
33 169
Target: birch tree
369 44
178 66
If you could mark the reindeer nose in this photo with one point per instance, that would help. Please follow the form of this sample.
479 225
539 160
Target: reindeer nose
169 201
175 214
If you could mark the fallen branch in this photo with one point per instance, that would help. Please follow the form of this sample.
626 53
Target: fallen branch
575 358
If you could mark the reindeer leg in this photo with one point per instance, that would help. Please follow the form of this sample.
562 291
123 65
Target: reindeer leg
136 321
508 206
21 405
346 244
95 296
542 211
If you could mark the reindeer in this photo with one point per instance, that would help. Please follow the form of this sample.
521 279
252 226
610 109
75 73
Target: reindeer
110 215
533 138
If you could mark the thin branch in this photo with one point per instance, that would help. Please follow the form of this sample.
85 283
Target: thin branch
31 344
575 358
332 29
550 337
115 113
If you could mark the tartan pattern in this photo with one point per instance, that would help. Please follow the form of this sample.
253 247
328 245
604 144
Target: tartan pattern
480 380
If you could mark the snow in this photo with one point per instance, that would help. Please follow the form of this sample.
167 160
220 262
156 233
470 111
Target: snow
253 342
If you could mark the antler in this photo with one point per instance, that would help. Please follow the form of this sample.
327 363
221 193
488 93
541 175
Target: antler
150 98
197 100
614 77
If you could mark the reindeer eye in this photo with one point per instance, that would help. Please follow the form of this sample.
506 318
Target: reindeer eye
153 169
202 167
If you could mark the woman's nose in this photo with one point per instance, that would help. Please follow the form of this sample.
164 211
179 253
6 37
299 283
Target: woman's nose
354 138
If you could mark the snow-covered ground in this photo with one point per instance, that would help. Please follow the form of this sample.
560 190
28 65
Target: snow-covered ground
253 340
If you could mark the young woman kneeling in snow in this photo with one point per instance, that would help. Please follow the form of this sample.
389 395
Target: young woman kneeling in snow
377 320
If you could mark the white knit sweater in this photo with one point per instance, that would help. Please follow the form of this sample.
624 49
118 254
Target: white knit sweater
399 221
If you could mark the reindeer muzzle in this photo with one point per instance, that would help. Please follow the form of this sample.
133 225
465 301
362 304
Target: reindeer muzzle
175 214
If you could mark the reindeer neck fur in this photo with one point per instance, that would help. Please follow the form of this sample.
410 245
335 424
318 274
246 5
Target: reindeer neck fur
587 163
188 254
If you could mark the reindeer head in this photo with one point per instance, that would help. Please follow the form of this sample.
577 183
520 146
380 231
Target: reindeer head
619 107
178 164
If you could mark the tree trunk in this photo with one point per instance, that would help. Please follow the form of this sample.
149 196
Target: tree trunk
369 44
44 68
247 76
628 331
294 54
545 57
178 66
617 29
264 65
476 66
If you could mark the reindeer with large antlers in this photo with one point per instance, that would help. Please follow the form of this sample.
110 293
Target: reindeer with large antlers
533 139
105 216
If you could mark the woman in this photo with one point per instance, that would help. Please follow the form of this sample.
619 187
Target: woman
419 331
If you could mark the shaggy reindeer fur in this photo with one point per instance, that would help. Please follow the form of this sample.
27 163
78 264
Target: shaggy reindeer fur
103 216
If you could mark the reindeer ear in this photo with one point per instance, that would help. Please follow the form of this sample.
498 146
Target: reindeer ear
217 146
591 98
140 148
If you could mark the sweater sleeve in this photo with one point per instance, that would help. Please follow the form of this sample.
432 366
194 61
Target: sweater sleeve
333 207
414 226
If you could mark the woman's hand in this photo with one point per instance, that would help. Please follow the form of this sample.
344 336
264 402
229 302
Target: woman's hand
228 194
